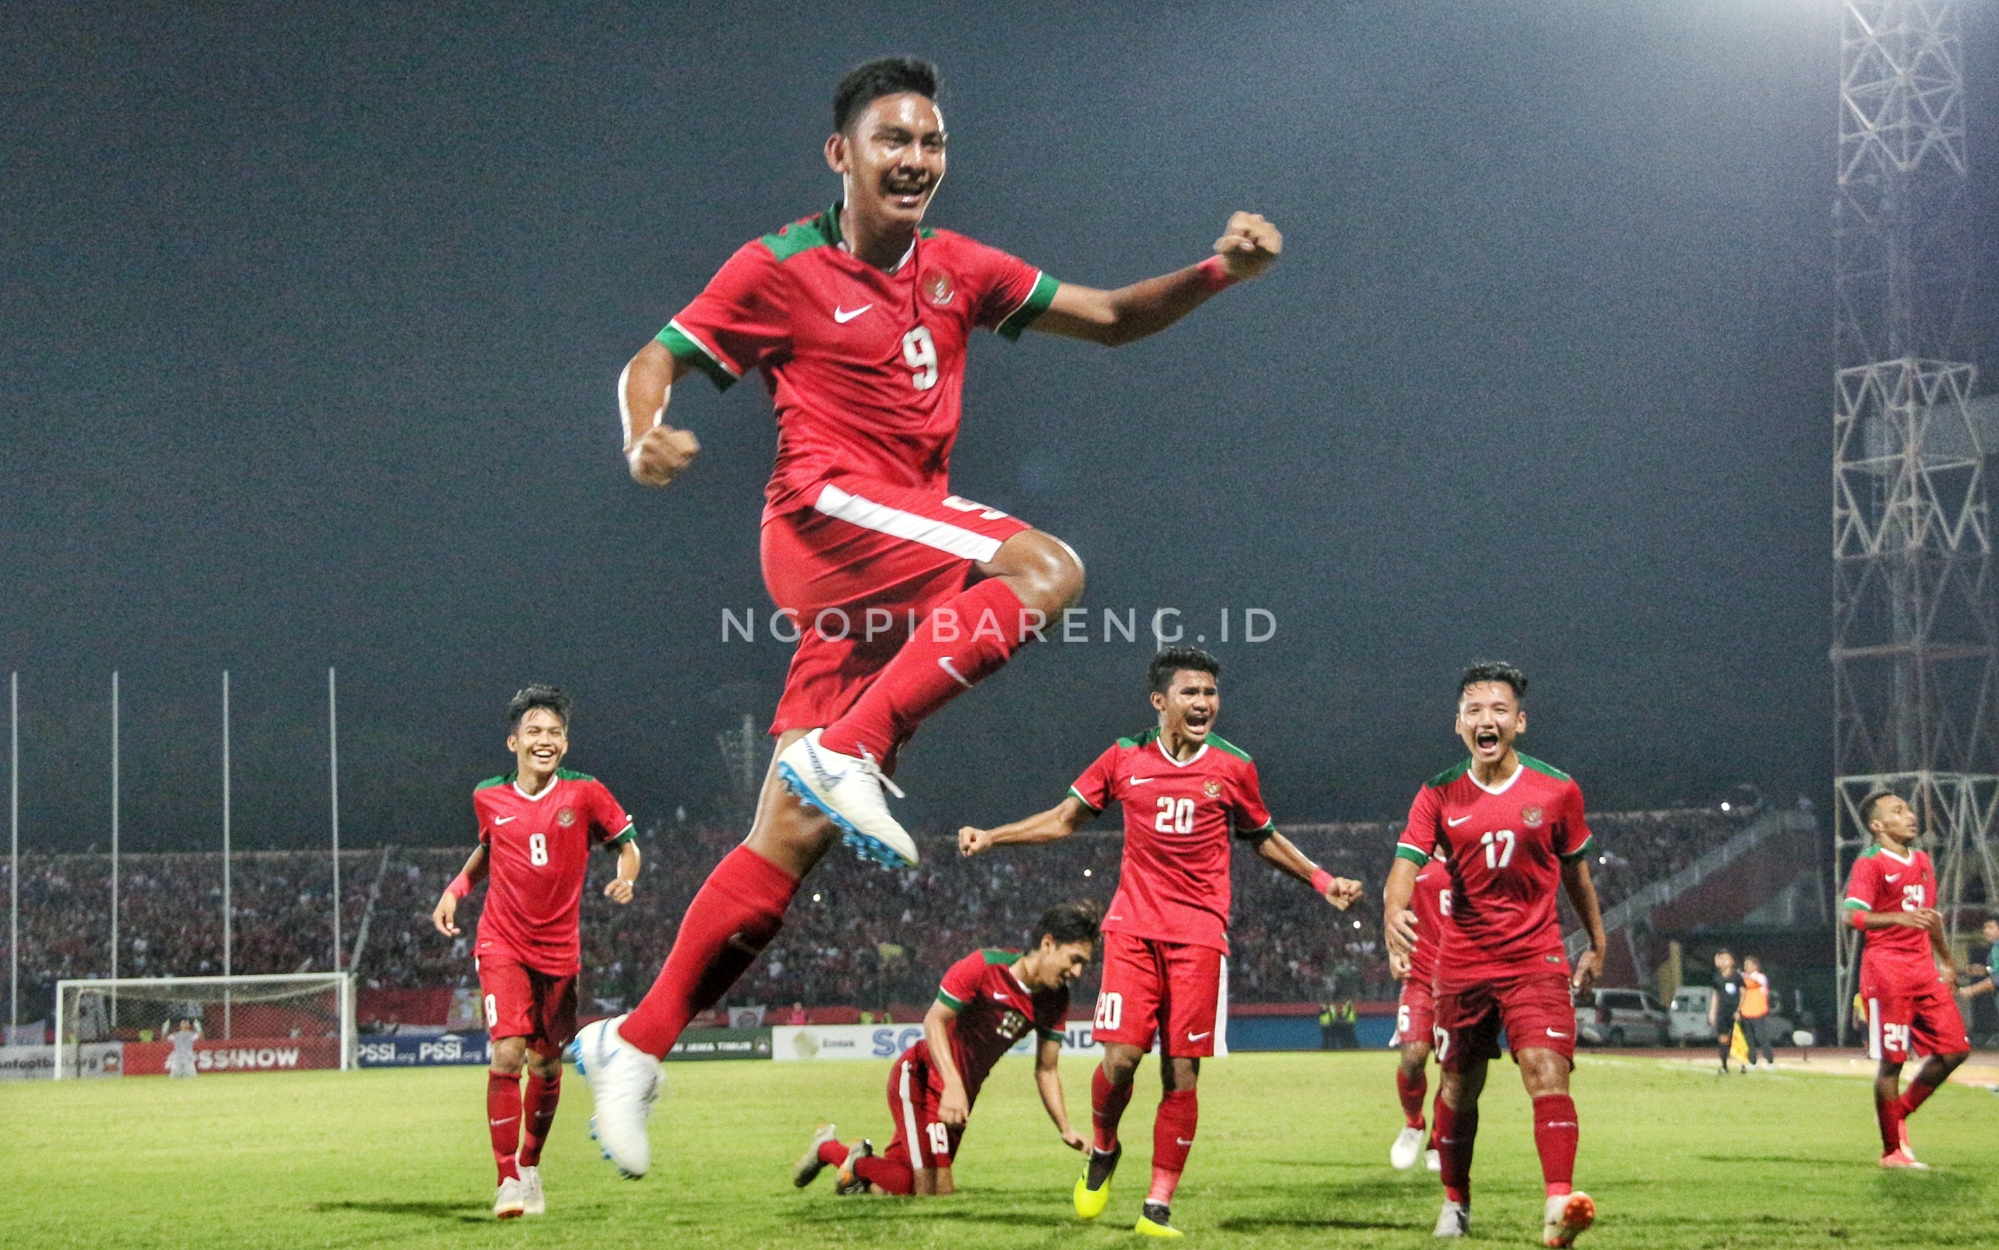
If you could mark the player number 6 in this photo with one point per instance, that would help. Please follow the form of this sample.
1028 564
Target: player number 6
921 354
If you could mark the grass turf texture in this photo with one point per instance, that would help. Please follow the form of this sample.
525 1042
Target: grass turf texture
1293 1151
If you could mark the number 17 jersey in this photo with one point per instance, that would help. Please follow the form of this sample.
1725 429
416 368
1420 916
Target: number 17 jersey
1506 845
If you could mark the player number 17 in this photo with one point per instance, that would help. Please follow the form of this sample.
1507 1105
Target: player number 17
1498 848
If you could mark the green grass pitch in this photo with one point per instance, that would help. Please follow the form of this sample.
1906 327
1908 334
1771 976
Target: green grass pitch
1292 1152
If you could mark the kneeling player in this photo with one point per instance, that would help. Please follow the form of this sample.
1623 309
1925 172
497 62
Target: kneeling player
1416 1014
1512 828
536 826
1891 896
989 1000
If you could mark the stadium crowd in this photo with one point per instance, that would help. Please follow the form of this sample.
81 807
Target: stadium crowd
856 936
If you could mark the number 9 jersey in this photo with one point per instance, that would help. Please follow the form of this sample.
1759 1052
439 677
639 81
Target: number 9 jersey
538 852
1506 845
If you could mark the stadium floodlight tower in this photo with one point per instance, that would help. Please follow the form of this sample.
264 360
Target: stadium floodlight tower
1915 652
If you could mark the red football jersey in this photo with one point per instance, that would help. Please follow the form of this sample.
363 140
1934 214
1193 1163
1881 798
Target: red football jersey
1897 960
866 368
1178 817
994 1011
538 849
1431 901
1505 847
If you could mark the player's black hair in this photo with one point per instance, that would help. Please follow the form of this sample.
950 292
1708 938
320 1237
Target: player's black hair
887 75
1170 660
1868 804
537 694
1483 671
1068 922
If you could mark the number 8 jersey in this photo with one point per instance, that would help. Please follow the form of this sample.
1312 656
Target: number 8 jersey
1506 845
538 852
1178 817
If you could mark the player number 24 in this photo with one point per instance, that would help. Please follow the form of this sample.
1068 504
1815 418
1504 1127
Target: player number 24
920 353
1498 848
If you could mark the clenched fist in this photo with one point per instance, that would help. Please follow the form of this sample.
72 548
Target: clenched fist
661 454
1249 246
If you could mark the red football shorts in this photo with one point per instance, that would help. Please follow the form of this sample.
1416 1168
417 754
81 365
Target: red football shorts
857 571
1150 987
914 1091
1416 1011
522 1002
1533 1007
1902 1025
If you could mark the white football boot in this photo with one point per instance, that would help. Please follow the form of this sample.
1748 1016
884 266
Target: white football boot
624 1081
533 1200
1408 1148
1565 1218
508 1205
1454 1220
809 1164
1433 1160
850 792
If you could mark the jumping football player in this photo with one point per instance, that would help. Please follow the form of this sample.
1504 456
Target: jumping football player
536 827
1184 791
1416 1014
1512 829
1906 973
905 594
989 1000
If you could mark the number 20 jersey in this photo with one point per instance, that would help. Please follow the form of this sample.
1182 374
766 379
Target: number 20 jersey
1506 846
866 368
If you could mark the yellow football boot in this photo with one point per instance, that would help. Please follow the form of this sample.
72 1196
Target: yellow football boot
1090 1203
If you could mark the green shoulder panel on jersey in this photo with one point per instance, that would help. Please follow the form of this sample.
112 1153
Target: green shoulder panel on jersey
1449 775
570 774
1140 739
1216 740
684 348
1588 845
955 1004
1870 852
788 241
630 834
1033 306
994 955
1405 851
1855 904
1541 766
490 782
1078 796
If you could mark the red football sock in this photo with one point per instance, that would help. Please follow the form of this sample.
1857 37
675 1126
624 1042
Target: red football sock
1915 1096
537 1113
832 1153
891 1176
1107 1104
1436 1113
1412 1090
503 1121
961 642
736 913
1888 1113
1457 1133
1555 1133
1172 1136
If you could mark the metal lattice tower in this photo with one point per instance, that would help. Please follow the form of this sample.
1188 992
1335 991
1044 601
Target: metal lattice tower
1915 643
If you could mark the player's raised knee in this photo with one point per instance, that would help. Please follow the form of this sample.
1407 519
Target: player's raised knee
1043 571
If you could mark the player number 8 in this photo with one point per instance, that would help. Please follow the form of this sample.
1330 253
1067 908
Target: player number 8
921 354
537 849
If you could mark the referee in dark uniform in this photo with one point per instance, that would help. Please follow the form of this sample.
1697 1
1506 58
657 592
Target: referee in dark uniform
1721 1005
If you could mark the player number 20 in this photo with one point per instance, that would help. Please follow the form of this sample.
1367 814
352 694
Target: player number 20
1110 1012
1175 816
1498 848
920 353
537 849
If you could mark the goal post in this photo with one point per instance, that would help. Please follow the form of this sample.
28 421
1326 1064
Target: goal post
184 1026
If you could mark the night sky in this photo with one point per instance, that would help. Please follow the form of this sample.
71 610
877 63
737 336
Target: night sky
311 322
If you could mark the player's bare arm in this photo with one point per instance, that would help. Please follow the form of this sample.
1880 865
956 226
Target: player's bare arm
1576 883
1398 920
1248 247
656 452
1056 823
445 914
619 888
955 1106
1281 853
1048 1081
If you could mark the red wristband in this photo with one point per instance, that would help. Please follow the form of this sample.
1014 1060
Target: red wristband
1214 274
1321 881
460 886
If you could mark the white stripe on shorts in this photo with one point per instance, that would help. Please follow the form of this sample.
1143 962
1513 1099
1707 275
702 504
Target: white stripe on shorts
909 1124
1222 1012
1874 1029
942 535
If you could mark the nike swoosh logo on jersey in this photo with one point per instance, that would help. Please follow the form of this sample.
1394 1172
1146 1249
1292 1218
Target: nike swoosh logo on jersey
1459 821
842 316
944 662
1195 1037
1894 877
1139 781
1555 1033
501 820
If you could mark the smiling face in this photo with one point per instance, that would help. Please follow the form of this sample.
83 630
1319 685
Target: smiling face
890 159
1893 823
1188 706
1053 963
538 742
1489 719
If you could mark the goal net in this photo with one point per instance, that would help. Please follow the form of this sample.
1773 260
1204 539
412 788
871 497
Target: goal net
190 1026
